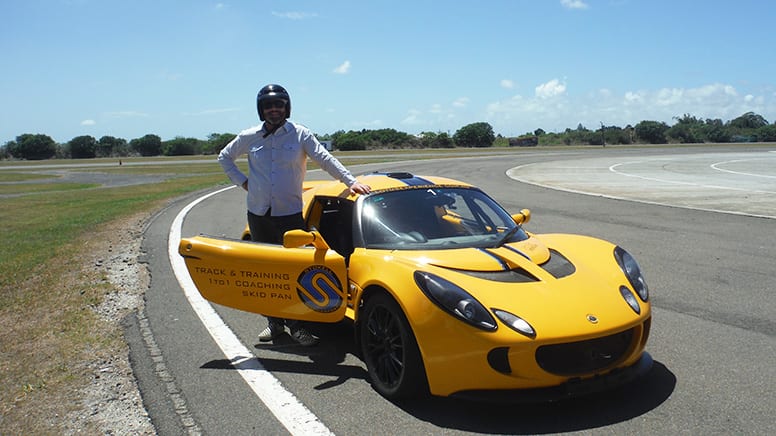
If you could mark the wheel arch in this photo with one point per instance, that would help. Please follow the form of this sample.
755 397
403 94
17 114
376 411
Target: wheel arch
418 384
369 292
374 289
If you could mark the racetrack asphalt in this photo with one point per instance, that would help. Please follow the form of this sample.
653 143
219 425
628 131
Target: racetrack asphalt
741 183
713 334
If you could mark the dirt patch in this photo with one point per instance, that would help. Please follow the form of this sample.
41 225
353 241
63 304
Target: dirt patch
111 402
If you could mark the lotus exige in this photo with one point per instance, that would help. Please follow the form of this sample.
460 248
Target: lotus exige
448 293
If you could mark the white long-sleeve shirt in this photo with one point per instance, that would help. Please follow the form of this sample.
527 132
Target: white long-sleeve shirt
277 165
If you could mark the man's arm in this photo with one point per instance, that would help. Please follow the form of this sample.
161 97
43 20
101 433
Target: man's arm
331 164
227 159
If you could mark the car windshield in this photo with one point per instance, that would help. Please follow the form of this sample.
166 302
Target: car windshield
436 218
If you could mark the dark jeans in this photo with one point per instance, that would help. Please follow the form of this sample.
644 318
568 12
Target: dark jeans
270 229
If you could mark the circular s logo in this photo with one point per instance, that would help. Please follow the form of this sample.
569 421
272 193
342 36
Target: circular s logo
320 289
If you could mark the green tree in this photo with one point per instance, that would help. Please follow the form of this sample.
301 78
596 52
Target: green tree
34 147
349 141
582 136
715 130
9 149
83 147
388 138
180 146
111 146
684 134
475 135
436 140
767 133
687 130
616 135
148 145
749 120
216 142
653 132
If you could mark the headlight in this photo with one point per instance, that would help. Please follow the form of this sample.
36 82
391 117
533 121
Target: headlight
632 272
454 300
515 323
630 299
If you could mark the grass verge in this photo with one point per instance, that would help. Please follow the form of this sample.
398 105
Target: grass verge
50 334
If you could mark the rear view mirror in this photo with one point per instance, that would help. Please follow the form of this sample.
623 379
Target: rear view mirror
523 217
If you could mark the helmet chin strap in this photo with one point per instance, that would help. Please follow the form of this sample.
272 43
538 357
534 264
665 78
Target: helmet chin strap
271 128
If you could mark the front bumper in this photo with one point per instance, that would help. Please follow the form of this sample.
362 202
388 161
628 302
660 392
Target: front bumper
573 388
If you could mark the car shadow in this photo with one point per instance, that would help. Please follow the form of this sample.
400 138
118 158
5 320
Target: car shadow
326 359
498 417
582 413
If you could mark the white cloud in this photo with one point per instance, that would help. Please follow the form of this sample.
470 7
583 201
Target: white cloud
436 115
413 117
295 15
343 69
604 92
519 114
507 84
713 89
550 89
707 93
668 96
167 75
88 122
574 4
633 97
126 114
461 102
219 6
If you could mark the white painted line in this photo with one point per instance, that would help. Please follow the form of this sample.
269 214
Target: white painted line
717 165
614 169
297 418
513 173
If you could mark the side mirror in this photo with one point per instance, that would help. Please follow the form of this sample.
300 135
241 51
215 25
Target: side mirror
300 238
523 217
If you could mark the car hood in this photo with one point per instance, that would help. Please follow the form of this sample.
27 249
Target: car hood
556 282
524 254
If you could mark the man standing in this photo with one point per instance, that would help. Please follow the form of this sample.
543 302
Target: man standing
277 153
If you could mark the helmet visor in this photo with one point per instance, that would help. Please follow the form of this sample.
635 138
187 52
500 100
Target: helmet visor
274 104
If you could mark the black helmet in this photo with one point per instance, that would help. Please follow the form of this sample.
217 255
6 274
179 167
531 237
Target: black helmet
272 92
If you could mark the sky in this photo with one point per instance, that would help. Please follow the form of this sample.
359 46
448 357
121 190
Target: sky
190 68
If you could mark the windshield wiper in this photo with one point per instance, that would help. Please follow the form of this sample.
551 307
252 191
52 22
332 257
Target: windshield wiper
507 236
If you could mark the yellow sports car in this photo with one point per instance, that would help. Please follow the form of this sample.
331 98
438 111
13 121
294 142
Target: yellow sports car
448 293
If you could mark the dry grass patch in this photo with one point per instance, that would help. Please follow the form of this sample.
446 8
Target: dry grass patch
55 344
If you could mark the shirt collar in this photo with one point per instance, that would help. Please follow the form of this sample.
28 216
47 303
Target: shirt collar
284 128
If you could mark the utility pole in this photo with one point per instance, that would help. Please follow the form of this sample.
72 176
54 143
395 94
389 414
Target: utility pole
603 134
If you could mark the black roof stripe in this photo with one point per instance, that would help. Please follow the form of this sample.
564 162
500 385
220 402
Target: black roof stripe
408 178
417 181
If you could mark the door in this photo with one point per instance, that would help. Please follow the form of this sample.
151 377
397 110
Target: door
304 283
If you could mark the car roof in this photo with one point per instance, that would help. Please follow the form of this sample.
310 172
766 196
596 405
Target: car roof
384 181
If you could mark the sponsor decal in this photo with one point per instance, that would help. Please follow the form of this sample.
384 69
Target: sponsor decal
252 283
320 289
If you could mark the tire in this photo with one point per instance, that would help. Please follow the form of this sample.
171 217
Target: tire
390 350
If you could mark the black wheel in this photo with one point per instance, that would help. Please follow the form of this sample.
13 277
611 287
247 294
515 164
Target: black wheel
390 351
